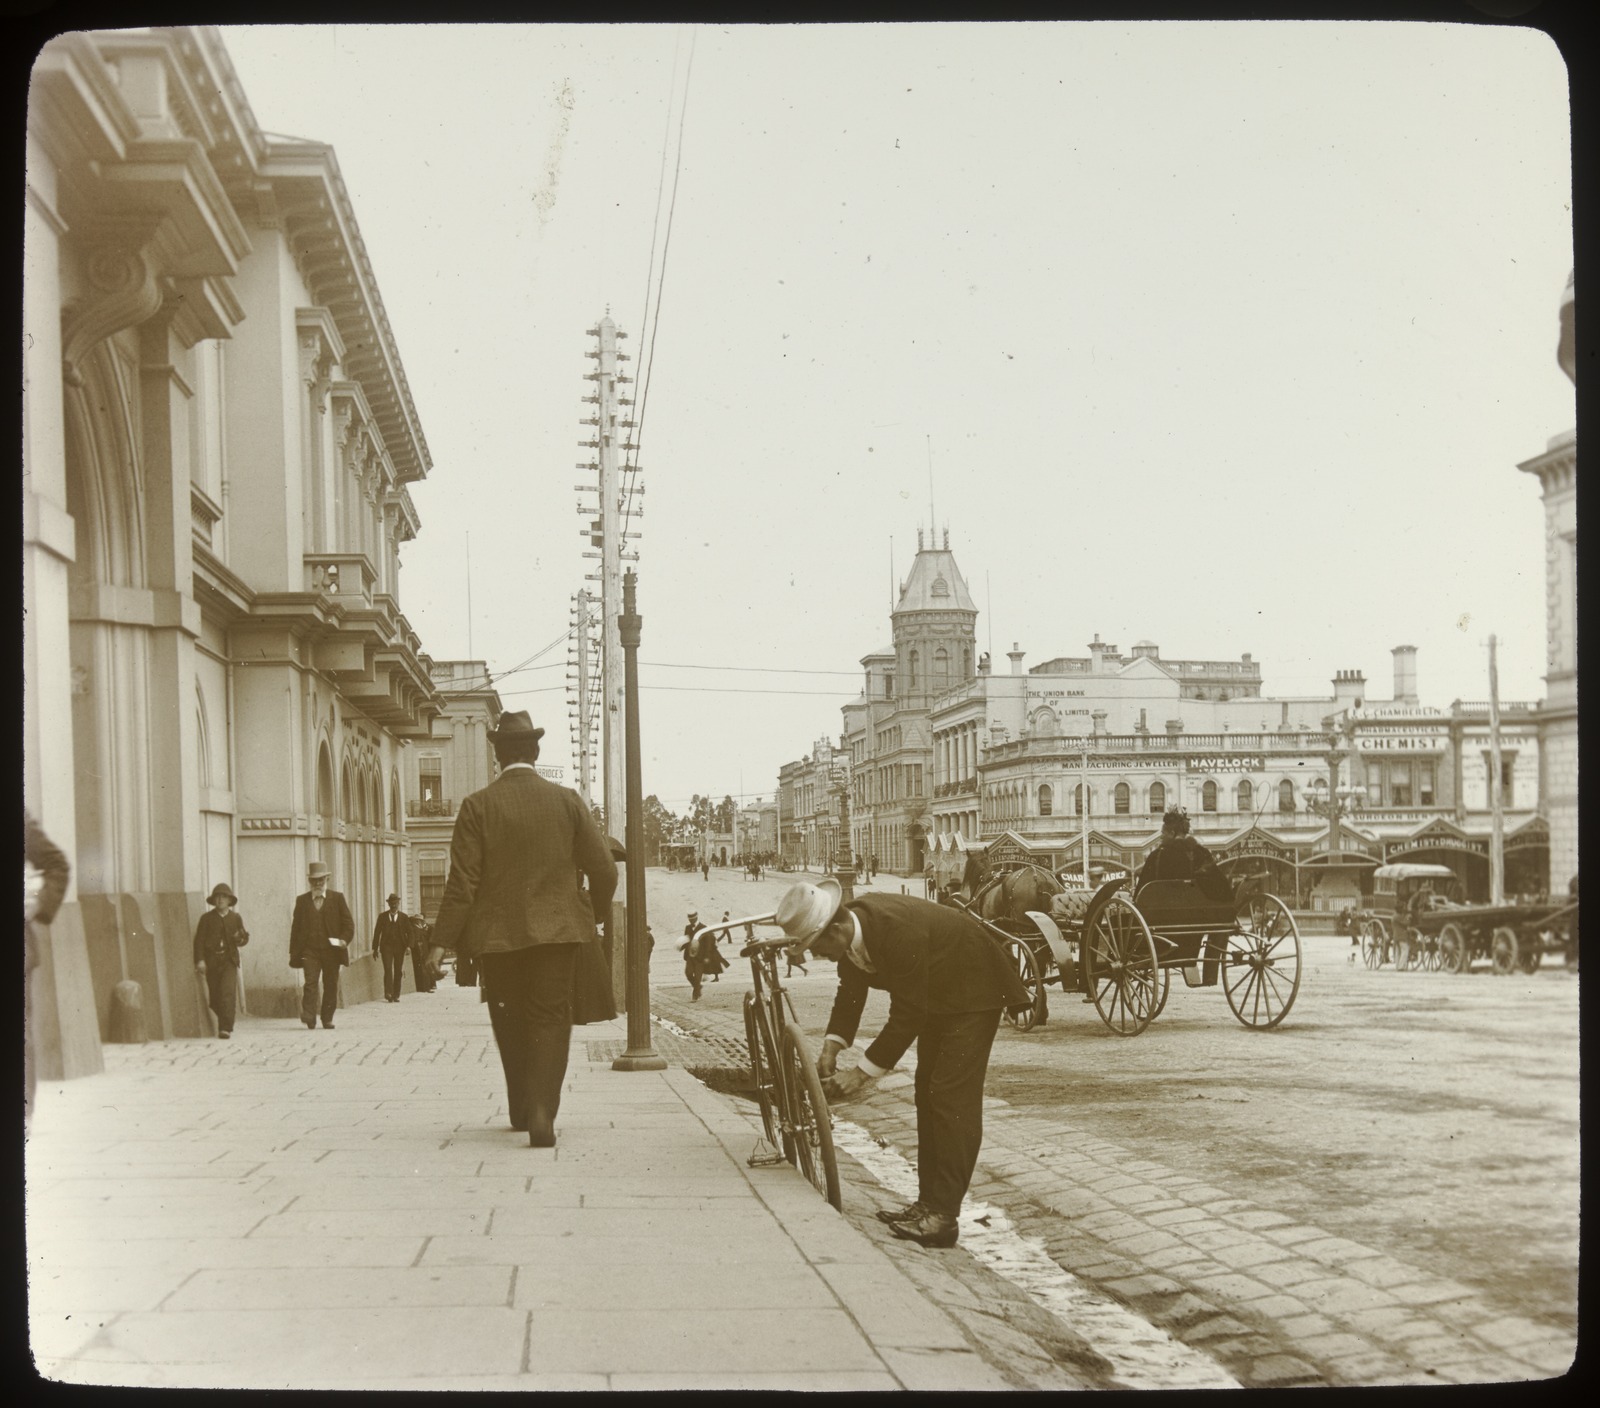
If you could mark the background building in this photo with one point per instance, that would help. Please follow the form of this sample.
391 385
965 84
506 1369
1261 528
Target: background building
808 806
218 436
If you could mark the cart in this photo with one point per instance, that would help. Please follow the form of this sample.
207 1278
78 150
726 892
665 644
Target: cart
1510 937
1387 928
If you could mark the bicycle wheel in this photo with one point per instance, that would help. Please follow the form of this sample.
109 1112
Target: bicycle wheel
807 1123
763 1062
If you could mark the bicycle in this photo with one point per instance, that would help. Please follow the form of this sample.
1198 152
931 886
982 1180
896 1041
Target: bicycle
794 1111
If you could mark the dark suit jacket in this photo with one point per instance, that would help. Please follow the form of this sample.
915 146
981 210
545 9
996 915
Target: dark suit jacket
340 926
931 960
218 938
393 932
518 847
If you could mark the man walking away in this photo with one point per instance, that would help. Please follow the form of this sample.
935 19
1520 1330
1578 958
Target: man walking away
691 953
948 983
513 906
218 937
319 945
391 936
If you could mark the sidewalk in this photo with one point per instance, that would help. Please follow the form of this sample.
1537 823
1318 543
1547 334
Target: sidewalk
350 1209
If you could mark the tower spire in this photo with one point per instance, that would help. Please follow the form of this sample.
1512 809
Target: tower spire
933 530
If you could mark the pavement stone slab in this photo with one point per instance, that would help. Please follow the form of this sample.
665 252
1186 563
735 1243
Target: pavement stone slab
261 1288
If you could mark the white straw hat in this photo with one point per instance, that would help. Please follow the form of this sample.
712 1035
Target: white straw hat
805 909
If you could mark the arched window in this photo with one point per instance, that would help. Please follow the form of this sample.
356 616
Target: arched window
394 801
940 587
913 663
1077 800
941 665
1121 799
1158 798
1208 797
1286 796
966 663
375 799
1046 724
326 803
1247 796
1046 800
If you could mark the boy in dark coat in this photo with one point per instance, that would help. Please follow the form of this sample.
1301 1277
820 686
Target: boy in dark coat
218 937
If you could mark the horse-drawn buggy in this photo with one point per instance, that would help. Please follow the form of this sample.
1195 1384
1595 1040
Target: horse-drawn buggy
1419 920
1119 949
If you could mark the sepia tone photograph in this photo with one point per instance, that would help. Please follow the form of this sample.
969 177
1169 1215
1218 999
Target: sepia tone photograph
1053 545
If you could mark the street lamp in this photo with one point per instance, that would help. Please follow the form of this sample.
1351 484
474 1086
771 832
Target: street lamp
844 867
1328 796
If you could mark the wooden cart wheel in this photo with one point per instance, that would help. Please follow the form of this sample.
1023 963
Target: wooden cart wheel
1027 967
1430 954
1121 972
1261 962
1452 949
1503 950
1529 957
1373 942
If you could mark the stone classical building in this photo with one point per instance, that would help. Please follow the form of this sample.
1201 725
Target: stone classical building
1557 471
887 733
808 808
218 438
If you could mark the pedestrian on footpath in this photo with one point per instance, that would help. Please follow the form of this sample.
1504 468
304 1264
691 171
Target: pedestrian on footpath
711 959
690 948
948 983
45 874
391 937
218 937
513 907
423 969
319 945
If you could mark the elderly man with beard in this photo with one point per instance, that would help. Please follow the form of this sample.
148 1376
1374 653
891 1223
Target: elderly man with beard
948 982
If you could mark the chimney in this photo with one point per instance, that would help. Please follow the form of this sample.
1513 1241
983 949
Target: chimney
1099 717
1143 726
1174 728
1405 674
1014 655
983 663
1349 688
1284 726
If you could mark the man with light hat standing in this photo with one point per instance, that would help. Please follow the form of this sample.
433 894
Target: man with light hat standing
948 983
319 945
513 906
218 937
391 937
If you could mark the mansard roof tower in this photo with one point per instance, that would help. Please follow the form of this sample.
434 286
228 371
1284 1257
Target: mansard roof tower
935 626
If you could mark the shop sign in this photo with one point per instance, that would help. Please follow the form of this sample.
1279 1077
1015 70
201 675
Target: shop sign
1444 842
1227 762
1005 853
1257 846
1401 738
1529 837
1396 711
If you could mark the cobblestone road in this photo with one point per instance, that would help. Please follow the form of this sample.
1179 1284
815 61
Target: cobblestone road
1383 1191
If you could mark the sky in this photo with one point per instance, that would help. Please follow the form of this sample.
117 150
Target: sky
1228 336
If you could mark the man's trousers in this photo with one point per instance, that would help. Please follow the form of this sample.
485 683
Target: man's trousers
319 969
530 1009
222 992
952 1062
394 966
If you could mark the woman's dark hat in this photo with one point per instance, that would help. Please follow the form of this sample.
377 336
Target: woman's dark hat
221 892
516 725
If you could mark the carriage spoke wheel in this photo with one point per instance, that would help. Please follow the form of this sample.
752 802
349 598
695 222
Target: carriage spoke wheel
1452 949
808 1126
1026 963
1530 955
1503 950
1261 962
1373 942
1430 958
1120 956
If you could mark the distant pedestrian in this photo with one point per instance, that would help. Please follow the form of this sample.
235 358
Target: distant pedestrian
45 874
423 969
705 869
319 945
711 961
513 907
218 937
690 947
391 937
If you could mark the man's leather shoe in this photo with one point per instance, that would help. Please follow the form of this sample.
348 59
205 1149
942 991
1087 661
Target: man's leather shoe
931 1229
915 1209
327 1026
310 1026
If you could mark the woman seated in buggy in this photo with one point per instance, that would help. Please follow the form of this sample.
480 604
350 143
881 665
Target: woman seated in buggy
1178 856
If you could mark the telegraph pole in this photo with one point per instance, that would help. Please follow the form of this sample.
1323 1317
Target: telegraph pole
582 661
1497 806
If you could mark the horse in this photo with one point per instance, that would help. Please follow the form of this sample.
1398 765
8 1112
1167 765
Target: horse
1012 895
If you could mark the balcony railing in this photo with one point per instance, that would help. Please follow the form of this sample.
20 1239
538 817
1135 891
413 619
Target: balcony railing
966 786
342 574
431 806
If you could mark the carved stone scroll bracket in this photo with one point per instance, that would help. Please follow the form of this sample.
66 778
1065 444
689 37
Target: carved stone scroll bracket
127 291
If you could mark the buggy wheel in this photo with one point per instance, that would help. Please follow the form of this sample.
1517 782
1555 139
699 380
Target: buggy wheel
1430 954
1452 949
1261 962
1503 949
808 1126
1026 963
1530 956
1121 968
1374 942
1163 989
763 1063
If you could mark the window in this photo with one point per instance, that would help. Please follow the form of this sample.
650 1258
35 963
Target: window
430 881
1400 784
1121 799
1375 794
1077 800
430 778
941 665
1425 784
1247 796
888 685
1208 797
1285 796
1046 800
913 663
1158 798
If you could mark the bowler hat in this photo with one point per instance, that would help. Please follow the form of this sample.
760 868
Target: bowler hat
616 848
805 909
393 899
518 724
317 870
221 892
